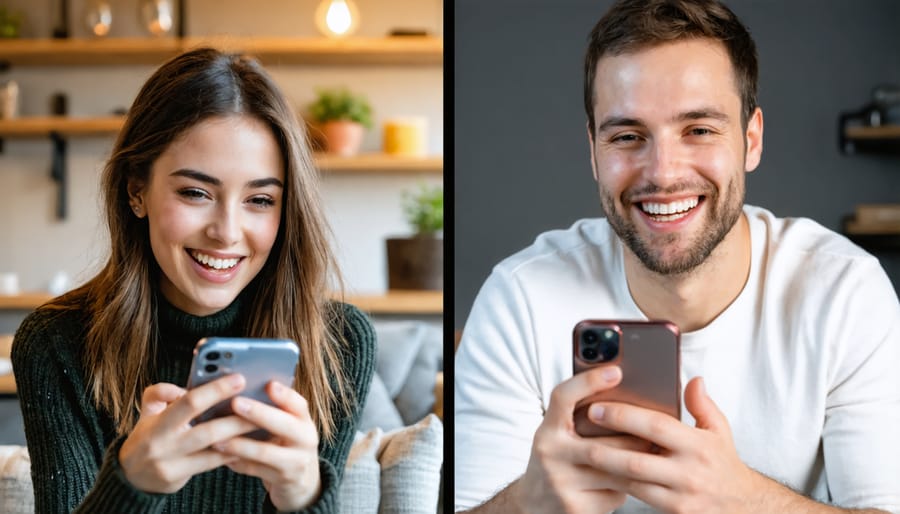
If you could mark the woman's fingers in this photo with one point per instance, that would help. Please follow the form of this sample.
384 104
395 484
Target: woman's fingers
198 400
289 420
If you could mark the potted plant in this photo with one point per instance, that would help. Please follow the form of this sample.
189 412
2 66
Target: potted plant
417 262
342 118
10 23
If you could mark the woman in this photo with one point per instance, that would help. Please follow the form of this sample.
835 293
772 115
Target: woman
216 229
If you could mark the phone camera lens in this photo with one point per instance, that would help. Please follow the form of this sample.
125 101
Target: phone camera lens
599 345
211 356
609 345
211 368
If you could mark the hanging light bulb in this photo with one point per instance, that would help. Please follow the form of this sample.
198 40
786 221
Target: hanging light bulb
337 18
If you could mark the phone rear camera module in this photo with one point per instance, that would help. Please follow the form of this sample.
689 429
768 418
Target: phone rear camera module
211 356
599 345
211 368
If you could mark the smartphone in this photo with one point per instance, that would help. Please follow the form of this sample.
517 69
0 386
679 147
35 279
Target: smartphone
259 360
648 354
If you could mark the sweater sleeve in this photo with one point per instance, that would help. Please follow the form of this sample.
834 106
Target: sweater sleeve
71 468
359 365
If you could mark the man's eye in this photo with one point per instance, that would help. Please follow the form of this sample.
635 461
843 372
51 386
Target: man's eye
625 138
700 131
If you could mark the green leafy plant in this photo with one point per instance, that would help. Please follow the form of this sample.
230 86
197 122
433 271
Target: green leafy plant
424 209
10 22
341 104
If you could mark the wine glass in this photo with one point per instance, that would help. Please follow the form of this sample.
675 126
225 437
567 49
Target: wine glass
157 16
98 17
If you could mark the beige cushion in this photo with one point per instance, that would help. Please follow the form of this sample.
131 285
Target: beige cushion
394 472
16 492
411 460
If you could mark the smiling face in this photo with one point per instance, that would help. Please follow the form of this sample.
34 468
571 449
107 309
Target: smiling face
213 203
669 153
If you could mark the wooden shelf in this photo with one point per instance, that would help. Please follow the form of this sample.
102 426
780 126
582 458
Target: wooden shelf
400 302
43 126
882 132
380 163
24 301
404 50
391 302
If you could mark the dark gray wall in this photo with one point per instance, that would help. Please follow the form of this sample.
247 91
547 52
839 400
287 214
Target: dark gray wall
521 154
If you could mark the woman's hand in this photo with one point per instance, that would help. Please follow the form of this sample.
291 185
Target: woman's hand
164 451
288 463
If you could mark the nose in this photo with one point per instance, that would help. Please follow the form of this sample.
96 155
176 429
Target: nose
665 164
225 227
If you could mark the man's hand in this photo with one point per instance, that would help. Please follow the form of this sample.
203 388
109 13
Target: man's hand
562 475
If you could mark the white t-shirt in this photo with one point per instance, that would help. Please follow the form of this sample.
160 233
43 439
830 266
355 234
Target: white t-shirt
805 363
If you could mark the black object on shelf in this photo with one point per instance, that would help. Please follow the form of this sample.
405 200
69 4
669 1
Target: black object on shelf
61 31
58 172
59 104
877 242
876 127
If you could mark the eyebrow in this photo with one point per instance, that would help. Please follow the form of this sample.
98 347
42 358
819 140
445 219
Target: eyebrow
699 114
208 179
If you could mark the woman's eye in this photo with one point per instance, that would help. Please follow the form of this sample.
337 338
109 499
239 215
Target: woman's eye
262 201
193 193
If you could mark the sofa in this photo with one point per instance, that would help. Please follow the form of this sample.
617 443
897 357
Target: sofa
395 463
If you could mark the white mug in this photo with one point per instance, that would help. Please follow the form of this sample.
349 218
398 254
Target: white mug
9 283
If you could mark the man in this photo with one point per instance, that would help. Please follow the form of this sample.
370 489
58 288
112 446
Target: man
790 334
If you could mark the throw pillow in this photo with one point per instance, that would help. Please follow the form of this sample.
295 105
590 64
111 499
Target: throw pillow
379 409
359 490
16 491
416 397
411 461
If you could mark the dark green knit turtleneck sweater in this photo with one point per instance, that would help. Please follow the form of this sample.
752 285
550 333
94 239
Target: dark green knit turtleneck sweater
73 446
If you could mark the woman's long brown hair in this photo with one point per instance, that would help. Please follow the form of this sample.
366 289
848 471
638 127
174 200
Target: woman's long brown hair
290 296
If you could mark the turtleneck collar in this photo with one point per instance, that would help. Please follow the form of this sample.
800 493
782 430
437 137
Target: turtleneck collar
179 330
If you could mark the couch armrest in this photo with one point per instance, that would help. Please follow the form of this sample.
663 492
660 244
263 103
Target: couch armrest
439 395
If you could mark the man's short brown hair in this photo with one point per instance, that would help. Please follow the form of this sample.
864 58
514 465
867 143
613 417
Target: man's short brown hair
633 25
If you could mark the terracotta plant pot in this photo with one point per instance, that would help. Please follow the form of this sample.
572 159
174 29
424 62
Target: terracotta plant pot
416 263
343 137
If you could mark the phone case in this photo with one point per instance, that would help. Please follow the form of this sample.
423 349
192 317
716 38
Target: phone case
258 360
650 358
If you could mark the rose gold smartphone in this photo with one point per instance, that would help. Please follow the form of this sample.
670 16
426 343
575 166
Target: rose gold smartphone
259 360
648 354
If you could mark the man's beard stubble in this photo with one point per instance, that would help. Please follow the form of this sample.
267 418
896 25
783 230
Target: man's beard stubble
718 224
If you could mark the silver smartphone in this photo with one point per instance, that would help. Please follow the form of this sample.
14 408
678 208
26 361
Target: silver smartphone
259 360
648 353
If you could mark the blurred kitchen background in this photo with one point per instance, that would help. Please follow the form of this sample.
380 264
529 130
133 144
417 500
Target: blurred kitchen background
52 236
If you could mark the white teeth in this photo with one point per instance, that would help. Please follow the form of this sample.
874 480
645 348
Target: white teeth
213 262
669 208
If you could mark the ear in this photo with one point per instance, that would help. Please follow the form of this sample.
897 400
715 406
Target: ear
590 136
754 141
136 197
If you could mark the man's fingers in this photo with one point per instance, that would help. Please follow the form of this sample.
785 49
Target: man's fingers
648 424
704 410
568 393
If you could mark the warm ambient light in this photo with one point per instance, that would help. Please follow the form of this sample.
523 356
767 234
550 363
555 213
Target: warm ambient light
337 18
